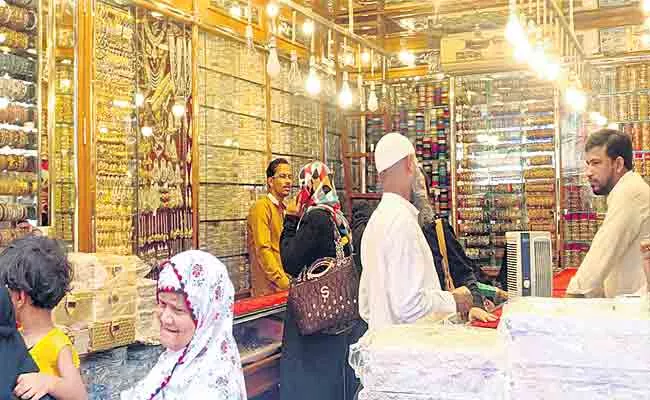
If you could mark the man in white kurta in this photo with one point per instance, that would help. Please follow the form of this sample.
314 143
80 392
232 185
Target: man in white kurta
613 265
399 284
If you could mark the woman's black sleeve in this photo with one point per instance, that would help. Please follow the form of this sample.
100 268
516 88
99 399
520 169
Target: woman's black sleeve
300 247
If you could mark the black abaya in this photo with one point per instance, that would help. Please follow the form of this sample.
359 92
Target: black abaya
314 367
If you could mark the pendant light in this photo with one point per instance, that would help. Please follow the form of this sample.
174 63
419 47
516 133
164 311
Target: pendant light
345 97
295 77
312 84
250 43
273 67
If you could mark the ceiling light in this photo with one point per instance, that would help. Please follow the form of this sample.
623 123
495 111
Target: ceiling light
312 84
373 104
406 57
576 99
273 67
514 31
365 57
345 97
348 58
308 27
235 11
272 9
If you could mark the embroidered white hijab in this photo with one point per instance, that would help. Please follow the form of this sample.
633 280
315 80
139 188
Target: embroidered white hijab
209 367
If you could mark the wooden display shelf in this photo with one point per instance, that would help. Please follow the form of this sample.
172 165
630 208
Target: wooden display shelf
262 376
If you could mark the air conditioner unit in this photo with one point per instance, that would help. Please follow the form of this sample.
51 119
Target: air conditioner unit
530 264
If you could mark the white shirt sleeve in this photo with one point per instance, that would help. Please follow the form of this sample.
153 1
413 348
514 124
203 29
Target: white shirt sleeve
608 248
414 291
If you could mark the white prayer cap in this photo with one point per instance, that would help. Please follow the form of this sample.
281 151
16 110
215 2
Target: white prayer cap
390 149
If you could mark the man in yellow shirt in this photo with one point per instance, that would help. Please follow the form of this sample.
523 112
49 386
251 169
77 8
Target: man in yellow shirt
265 222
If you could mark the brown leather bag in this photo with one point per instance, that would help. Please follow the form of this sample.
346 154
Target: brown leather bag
324 296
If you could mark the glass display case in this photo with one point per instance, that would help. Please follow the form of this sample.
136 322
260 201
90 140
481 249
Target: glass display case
505 161
141 132
22 133
59 123
232 148
295 122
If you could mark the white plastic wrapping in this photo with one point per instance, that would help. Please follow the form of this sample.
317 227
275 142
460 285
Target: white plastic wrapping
448 361
577 349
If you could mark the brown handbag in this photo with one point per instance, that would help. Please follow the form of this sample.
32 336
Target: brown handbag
323 298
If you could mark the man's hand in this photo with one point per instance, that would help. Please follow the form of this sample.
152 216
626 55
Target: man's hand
478 314
501 295
34 386
464 300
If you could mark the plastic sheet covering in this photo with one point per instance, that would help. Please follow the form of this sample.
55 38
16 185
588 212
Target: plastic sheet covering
577 349
424 359
108 374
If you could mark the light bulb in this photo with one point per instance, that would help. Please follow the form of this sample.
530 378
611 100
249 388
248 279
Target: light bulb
645 39
576 99
156 14
522 52
406 57
65 83
272 9
345 97
348 58
308 27
597 118
178 109
551 71
235 11
273 67
537 61
139 99
514 31
312 85
365 57
147 131
103 130
373 104
3 37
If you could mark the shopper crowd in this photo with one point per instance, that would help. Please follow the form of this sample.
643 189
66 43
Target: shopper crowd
408 264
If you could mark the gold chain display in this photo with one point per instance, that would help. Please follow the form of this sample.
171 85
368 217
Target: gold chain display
115 134
164 147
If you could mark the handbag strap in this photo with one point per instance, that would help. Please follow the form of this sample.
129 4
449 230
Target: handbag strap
340 253
442 244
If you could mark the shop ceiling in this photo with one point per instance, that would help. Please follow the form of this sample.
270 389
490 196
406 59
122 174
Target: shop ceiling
418 19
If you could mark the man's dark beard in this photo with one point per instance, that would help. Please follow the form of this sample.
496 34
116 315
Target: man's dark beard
606 188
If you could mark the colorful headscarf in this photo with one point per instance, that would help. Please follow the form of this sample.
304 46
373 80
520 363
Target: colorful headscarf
209 367
312 178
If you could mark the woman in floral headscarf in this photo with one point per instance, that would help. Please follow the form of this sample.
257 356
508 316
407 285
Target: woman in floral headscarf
195 297
315 367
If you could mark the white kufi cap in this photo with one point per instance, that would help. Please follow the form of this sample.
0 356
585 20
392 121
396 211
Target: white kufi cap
390 149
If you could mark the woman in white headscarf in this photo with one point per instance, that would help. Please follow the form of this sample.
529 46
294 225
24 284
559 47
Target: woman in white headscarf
201 361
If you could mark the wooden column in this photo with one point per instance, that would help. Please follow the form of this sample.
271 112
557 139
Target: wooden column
85 220
196 162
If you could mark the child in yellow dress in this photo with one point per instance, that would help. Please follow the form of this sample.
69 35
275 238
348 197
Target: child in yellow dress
37 274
